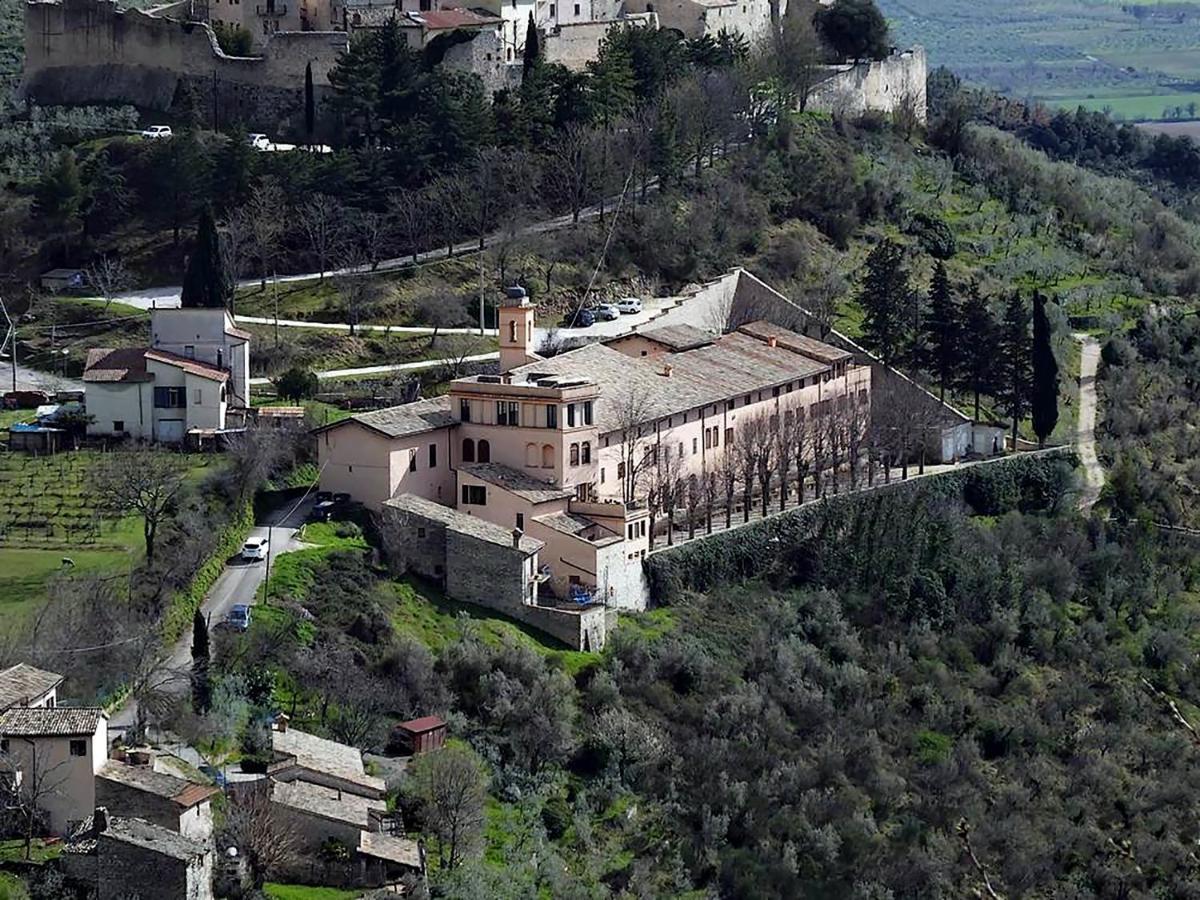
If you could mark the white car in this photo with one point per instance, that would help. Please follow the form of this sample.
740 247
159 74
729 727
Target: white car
255 549
258 141
629 305
605 312
155 132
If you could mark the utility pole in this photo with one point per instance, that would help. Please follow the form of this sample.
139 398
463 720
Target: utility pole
482 290
10 341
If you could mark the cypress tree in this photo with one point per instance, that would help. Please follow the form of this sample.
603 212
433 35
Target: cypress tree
1015 363
533 47
207 281
980 346
201 684
886 298
310 106
1044 397
942 331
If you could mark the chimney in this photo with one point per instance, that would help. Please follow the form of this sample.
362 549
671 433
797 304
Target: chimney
666 370
772 341
517 535
281 722
100 820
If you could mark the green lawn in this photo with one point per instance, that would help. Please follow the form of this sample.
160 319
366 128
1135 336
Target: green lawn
48 512
1135 107
305 892
40 851
12 887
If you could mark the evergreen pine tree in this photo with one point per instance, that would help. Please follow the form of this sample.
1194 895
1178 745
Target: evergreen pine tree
1044 396
201 680
532 47
310 105
886 301
59 195
942 331
1015 362
980 345
207 281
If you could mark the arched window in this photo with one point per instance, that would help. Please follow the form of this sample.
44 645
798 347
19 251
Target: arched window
468 453
574 454
512 331
485 451
531 455
547 456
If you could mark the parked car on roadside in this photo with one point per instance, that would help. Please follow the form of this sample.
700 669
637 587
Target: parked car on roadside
255 549
322 511
155 132
238 617
258 141
582 318
629 305
605 312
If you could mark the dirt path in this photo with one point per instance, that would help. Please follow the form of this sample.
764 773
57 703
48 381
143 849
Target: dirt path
1085 437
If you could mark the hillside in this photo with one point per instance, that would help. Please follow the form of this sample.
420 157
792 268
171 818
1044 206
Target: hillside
1140 61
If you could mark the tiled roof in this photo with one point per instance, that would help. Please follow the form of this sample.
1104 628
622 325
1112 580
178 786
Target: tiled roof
126 365
392 849
567 523
481 529
58 721
328 803
321 755
154 838
516 482
21 683
445 19
732 365
182 792
402 421
798 343
678 337
423 724
191 366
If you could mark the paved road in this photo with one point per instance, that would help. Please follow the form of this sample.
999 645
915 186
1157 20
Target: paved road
33 380
239 583
1085 438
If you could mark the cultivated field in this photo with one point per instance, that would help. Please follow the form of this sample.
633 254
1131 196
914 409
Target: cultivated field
1101 54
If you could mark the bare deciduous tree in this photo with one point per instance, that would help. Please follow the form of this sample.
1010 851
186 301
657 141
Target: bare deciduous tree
572 162
458 350
235 232
727 474
450 785
145 482
265 840
267 212
109 276
631 410
323 220
408 211
28 779
440 310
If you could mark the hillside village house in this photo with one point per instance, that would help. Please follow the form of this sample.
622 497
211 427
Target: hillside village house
26 685
194 379
558 449
140 792
51 754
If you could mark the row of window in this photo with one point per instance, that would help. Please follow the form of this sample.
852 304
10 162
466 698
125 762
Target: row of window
636 529
531 415
476 452
412 458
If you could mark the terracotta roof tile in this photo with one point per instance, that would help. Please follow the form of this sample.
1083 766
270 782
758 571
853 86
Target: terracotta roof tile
191 366
38 721
124 365
179 790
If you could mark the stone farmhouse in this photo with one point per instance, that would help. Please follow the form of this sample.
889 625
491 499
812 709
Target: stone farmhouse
193 381
527 490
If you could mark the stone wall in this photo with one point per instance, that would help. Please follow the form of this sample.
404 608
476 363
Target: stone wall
574 44
90 51
125 870
878 86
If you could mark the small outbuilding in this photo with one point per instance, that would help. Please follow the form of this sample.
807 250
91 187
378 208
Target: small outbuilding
63 280
420 735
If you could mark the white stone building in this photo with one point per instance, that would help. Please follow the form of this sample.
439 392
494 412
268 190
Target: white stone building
193 380
52 755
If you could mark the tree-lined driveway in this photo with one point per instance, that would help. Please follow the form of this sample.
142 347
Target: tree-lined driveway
238 583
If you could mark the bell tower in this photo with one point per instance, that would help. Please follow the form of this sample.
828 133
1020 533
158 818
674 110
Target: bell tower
515 323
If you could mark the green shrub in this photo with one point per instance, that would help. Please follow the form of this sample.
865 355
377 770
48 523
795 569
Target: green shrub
933 747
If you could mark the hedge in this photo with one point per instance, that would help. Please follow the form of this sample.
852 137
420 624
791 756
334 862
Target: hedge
183 605
1027 482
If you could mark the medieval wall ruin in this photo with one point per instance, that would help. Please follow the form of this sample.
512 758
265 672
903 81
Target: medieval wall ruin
879 86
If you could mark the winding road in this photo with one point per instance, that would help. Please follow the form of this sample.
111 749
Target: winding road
1085 436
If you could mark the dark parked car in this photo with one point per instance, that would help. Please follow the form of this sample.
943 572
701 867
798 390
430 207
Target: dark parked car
580 319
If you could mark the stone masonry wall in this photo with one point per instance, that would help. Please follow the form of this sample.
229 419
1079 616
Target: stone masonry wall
122 800
876 86
90 51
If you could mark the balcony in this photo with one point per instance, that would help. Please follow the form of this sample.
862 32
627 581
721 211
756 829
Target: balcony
278 10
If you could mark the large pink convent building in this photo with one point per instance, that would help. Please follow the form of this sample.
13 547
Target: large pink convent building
525 491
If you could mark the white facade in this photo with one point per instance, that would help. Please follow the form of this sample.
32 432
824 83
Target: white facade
208 336
59 771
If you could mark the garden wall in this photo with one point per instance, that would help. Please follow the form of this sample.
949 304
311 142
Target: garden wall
1032 481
